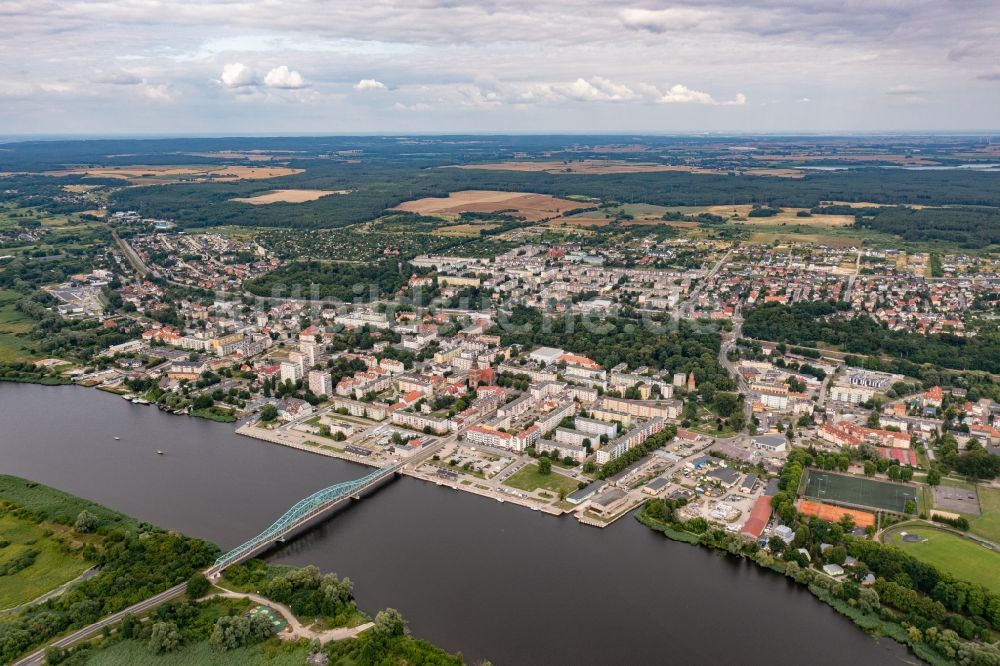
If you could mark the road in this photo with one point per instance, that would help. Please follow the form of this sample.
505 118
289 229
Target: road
36 658
853 277
727 345
687 308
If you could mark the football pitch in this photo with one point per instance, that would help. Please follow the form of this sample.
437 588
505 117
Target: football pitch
859 491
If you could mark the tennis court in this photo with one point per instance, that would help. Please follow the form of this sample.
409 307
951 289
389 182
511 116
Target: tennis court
859 491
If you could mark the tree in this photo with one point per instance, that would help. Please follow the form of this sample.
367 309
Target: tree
933 478
869 468
544 466
230 632
389 623
130 624
893 472
268 413
198 586
164 638
906 473
86 522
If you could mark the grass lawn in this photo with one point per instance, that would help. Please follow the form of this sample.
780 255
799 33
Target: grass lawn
960 557
987 525
528 479
56 505
133 653
51 567
12 324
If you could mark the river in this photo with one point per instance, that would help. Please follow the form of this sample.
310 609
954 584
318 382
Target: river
470 574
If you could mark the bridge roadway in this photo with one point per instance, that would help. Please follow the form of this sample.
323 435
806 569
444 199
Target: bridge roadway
301 515
309 513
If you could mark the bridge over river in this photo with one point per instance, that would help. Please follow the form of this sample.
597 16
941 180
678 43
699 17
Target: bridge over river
301 516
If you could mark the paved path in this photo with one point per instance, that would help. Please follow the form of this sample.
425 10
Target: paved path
298 630
111 620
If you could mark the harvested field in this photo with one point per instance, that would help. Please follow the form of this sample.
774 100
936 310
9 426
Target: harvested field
464 229
766 237
835 513
532 207
786 216
869 204
165 174
287 196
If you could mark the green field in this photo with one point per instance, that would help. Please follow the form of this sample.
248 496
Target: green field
12 324
858 490
51 568
528 479
57 506
962 558
133 653
987 525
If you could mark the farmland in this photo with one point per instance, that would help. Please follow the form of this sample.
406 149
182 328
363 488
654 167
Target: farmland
532 207
165 174
287 196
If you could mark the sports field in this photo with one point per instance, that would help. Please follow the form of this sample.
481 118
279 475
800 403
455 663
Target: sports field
962 558
858 490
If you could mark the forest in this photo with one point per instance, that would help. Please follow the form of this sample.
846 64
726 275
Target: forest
377 187
973 228
343 282
813 323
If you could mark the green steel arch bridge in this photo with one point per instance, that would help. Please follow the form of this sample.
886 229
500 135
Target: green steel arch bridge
303 512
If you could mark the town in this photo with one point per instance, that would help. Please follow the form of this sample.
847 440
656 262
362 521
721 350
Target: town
440 367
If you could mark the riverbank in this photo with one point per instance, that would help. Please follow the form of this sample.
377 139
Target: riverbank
399 546
136 560
862 605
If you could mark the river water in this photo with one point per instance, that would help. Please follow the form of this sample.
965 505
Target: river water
470 574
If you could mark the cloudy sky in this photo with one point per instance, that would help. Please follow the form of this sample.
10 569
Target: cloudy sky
259 66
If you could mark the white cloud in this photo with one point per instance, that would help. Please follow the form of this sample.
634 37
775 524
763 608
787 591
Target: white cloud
157 93
236 75
664 20
282 77
597 89
369 84
681 94
904 90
